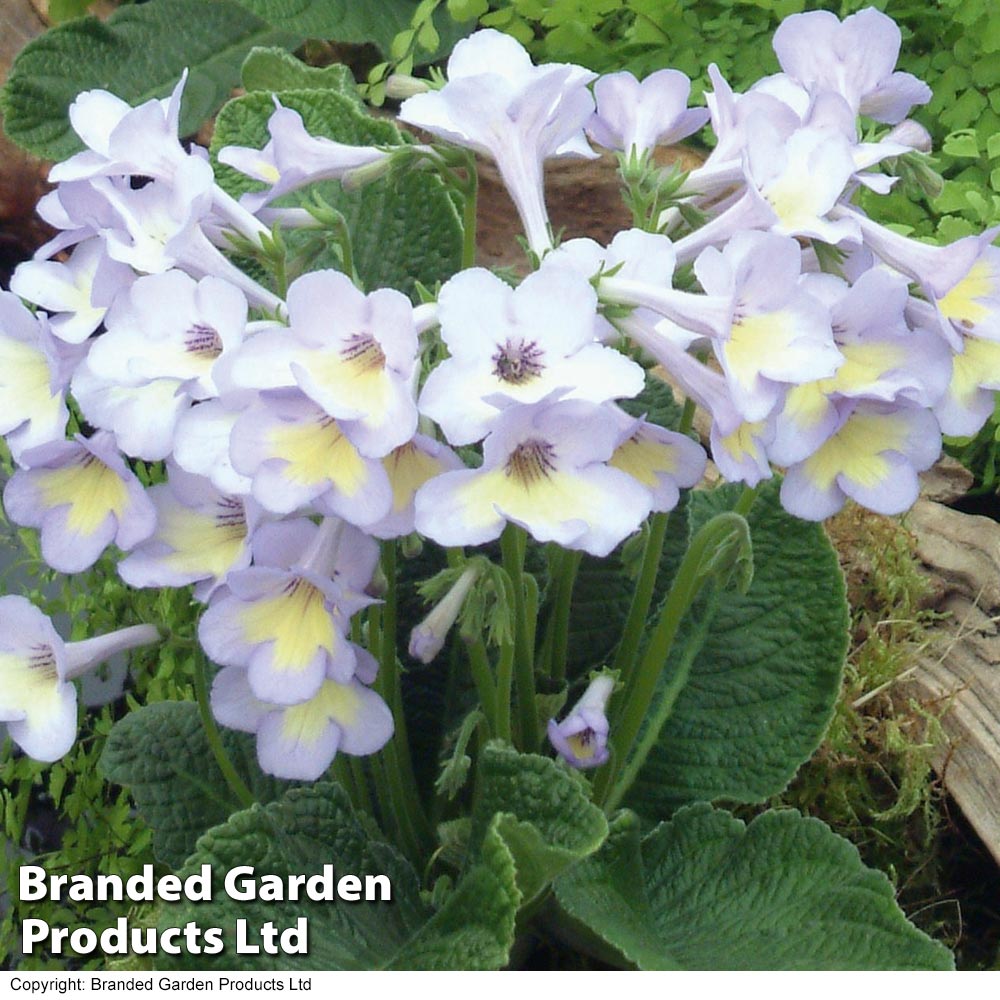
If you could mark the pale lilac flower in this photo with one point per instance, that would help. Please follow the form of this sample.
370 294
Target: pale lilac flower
169 326
780 335
139 141
201 441
517 346
33 379
638 116
873 457
544 469
82 497
293 158
201 536
37 696
78 292
286 625
735 117
855 57
633 255
662 460
499 104
883 360
408 467
428 638
739 447
297 454
143 418
742 454
161 225
352 354
581 738
961 280
969 399
300 741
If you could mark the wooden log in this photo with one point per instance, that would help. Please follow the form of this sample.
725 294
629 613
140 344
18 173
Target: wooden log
959 676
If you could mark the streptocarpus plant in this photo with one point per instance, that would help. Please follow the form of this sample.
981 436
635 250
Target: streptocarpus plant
321 447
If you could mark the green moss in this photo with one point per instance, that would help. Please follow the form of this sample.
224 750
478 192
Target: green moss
872 779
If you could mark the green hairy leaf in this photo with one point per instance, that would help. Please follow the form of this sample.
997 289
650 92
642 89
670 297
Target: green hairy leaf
706 891
542 811
770 663
356 21
162 755
310 827
273 69
138 53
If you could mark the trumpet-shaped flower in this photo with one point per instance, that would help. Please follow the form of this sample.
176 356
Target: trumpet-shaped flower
82 497
352 354
162 225
544 469
791 186
855 58
297 454
286 625
638 116
170 326
143 418
581 739
299 742
883 360
33 379
739 447
293 158
968 401
37 696
961 280
518 346
139 141
201 443
499 104
78 292
873 457
410 466
780 334
662 460
201 535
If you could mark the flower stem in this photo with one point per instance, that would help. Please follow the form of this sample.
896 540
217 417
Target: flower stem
642 597
665 706
480 665
403 785
688 581
570 564
505 684
236 784
512 544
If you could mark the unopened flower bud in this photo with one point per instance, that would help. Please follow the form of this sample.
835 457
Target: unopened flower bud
912 134
428 638
399 86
